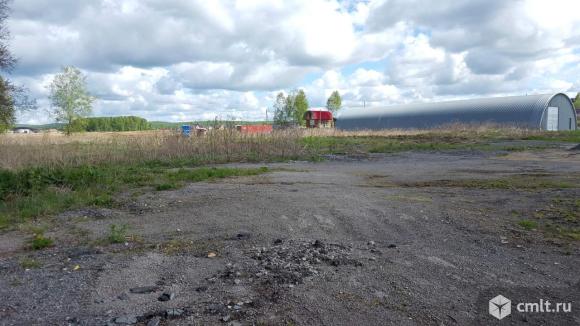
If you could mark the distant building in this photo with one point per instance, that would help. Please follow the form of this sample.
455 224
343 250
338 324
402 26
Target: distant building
545 112
318 118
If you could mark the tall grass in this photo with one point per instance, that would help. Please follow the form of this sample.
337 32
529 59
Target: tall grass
222 146
218 146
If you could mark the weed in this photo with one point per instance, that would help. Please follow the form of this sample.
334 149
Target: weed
31 193
198 248
166 186
29 263
523 182
528 225
40 242
117 233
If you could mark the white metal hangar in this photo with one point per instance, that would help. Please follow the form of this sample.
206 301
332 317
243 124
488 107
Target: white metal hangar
545 112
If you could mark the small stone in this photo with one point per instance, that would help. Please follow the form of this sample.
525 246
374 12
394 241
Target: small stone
392 245
144 289
237 281
237 307
166 296
99 301
225 318
278 241
154 321
123 296
371 243
126 320
173 312
211 254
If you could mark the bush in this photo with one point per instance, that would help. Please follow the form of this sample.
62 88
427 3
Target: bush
40 242
528 225
117 233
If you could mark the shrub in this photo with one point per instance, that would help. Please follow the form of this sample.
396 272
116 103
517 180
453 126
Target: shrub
117 233
40 242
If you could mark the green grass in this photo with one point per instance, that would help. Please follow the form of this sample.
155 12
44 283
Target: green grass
39 192
117 233
517 182
528 225
29 263
369 144
392 144
40 242
559 219
166 186
564 136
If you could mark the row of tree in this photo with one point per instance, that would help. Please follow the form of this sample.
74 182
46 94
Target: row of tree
289 109
126 123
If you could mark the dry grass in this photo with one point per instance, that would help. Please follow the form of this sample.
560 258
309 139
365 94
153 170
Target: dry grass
21 151
459 131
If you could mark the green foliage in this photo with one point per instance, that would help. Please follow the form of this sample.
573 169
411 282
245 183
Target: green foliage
577 101
564 136
70 98
334 102
40 242
128 123
117 233
283 114
37 192
528 225
7 111
166 186
290 110
29 263
300 106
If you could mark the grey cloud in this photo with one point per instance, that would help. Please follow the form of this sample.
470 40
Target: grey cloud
484 61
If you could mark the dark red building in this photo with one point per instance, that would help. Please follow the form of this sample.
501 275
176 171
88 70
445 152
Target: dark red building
319 118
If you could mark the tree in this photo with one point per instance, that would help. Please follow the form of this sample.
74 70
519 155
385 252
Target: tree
12 97
577 101
7 115
300 105
70 98
334 102
283 115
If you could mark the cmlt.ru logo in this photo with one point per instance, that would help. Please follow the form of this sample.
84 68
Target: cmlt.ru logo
500 307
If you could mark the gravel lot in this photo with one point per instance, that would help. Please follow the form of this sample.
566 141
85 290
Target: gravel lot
347 241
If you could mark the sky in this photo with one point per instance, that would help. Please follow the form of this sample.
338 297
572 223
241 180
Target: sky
184 60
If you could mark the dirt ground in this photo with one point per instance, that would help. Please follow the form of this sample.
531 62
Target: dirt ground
348 241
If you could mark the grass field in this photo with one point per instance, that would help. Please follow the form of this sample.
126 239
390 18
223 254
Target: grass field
44 174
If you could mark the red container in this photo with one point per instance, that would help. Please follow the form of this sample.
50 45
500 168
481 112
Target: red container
254 129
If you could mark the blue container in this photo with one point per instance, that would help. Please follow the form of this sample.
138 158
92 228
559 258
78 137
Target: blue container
186 130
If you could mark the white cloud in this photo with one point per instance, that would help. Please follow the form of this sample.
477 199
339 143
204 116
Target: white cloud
192 59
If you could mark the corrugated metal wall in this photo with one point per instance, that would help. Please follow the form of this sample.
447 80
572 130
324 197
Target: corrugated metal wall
523 111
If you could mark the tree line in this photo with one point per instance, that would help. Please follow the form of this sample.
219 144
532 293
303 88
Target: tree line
125 123
289 109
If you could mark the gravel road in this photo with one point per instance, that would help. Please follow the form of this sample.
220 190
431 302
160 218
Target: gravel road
348 241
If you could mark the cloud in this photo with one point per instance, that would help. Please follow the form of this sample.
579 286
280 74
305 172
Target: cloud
190 59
